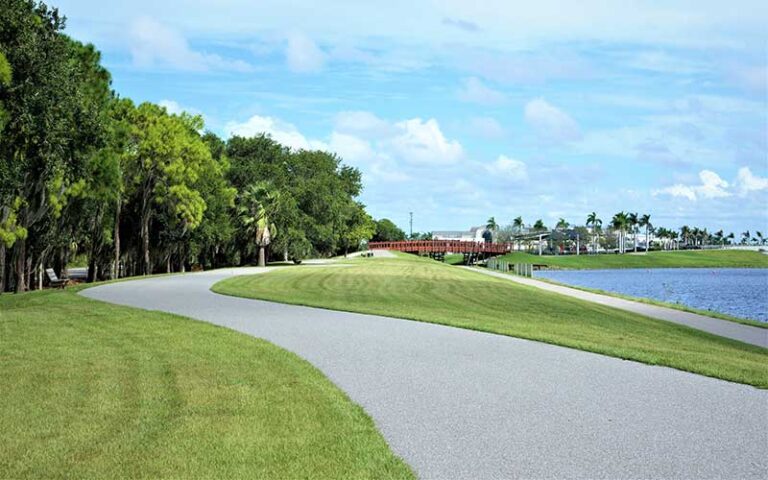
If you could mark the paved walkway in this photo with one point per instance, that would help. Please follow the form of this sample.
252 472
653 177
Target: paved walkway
724 328
457 403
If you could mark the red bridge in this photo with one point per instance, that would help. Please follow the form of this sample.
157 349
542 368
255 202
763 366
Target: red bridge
443 246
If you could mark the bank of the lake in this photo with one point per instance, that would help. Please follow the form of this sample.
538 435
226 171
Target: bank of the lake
737 292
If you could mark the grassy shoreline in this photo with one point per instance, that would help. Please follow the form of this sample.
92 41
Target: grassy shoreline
424 290
659 303
92 389
669 259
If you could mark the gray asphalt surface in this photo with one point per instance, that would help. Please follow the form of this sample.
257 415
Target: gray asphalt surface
462 404
724 328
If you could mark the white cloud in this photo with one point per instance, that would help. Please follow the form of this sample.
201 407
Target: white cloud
550 122
171 106
303 55
282 132
747 182
475 91
152 42
509 168
175 108
711 186
380 148
422 142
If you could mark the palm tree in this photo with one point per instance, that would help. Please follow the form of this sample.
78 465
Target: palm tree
745 237
696 234
257 206
685 233
595 223
645 221
666 235
760 238
517 225
731 236
562 224
539 227
719 237
619 223
632 221
492 226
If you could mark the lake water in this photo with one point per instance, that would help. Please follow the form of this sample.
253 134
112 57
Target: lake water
741 292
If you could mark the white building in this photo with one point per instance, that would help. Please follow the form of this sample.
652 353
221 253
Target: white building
474 234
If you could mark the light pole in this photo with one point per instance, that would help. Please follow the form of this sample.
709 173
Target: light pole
411 225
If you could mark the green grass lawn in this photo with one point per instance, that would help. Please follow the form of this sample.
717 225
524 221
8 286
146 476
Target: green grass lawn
92 390
675 259
425 290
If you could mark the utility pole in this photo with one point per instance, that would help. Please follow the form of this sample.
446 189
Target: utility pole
411 223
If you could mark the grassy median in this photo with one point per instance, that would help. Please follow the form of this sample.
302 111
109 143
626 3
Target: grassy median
429 291
92 390
672 259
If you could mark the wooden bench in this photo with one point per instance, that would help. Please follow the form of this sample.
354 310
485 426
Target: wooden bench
54 281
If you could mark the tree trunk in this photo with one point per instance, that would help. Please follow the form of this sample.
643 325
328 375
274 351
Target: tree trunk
145 267
647 239
262 257
21 261
116 264
2 267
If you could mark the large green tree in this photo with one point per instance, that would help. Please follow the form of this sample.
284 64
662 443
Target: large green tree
387 231
167 157
54 106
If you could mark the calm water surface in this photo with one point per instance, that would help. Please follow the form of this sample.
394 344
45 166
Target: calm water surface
741 292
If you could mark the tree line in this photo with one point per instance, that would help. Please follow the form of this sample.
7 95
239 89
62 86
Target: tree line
136 189
621 233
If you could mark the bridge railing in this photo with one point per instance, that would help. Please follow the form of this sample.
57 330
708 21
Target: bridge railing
442 246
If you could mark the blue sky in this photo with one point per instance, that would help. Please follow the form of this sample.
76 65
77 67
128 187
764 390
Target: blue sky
459 111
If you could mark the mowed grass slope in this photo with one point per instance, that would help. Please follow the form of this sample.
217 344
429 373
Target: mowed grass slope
672 259
91 390
428 291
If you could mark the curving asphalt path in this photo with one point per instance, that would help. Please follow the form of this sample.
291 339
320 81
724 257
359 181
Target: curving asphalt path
462 404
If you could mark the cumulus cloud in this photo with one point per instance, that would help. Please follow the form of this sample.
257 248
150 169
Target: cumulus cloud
171 106
152 43
747 182
475 91
376 163
282 132
550 122
383 150
423 142
711 186
508 168
303 55
175 108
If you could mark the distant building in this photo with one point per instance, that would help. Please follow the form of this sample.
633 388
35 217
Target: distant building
474 234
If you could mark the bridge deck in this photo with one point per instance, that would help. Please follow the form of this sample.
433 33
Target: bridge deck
442 246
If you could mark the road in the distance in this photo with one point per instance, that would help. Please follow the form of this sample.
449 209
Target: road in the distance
456 403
